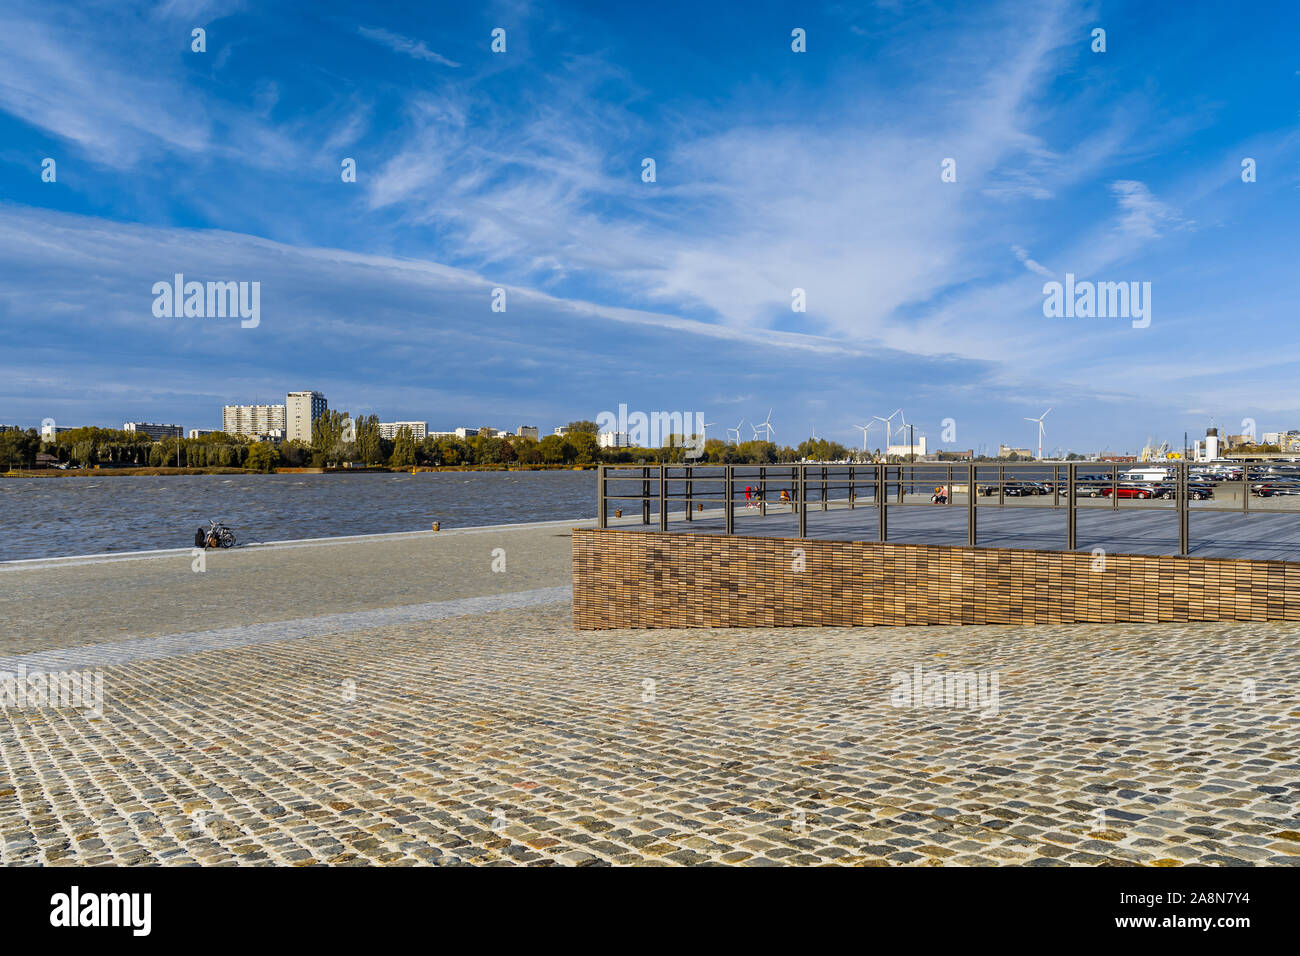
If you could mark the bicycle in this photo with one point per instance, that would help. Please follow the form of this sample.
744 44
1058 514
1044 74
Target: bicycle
218 535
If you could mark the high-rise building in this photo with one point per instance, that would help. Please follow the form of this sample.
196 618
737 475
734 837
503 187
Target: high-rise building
301 409
153 430
527 431
252 420
419 430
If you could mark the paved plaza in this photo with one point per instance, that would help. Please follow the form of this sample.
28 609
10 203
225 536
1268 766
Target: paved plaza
398 701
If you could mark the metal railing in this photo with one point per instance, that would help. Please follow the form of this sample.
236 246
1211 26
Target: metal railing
1070 487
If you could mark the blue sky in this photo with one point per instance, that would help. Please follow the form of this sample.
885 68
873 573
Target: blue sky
776 170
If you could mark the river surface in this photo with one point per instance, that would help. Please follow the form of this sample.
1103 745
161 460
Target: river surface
50 517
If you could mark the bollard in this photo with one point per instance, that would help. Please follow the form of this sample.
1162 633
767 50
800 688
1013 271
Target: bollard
618 512
437 525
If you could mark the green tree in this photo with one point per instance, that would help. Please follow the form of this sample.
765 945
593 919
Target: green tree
327 434
555 450
262 457
525 451
370 445
451 451
18 449
585 447
404 449
583 427
83 453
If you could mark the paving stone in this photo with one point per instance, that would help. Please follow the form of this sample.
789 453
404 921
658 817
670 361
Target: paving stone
221 753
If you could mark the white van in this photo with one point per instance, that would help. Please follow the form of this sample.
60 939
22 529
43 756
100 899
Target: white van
1147 473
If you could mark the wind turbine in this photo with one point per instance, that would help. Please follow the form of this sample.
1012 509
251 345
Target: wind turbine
736 430
766 425
902 430
1041 430
863 429
888 430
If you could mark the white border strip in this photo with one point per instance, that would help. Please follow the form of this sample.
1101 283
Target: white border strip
74 560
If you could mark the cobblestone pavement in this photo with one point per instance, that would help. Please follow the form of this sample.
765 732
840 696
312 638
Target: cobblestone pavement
506 737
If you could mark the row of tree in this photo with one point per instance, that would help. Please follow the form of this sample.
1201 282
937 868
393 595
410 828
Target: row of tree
91 446
339 439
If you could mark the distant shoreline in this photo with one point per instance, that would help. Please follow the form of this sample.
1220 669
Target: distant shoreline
377 469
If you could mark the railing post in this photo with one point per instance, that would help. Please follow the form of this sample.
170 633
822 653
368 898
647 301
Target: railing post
882 491
1245 488
803 501
729 505
1002 483
852 499
663 497
1114 487
690 470
762 491
971 532
823 488
1182 509
1071 507
601 521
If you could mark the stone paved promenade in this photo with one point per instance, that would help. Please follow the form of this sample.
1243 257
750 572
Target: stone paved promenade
396 701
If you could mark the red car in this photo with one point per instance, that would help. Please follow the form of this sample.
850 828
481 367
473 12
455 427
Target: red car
1129 490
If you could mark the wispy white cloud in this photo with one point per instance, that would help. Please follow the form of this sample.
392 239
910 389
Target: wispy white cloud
413 48
53 81
1030 264
1143 215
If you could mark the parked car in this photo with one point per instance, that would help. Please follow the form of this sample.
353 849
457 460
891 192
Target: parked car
1018 489
1091 488
1271 489
1196 490
1129 489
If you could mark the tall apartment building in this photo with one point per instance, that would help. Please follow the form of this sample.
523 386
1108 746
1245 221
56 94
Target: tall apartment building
154 430
252 419
419 430
527 431
301 409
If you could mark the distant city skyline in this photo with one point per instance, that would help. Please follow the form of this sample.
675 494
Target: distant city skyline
914 181
924 442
